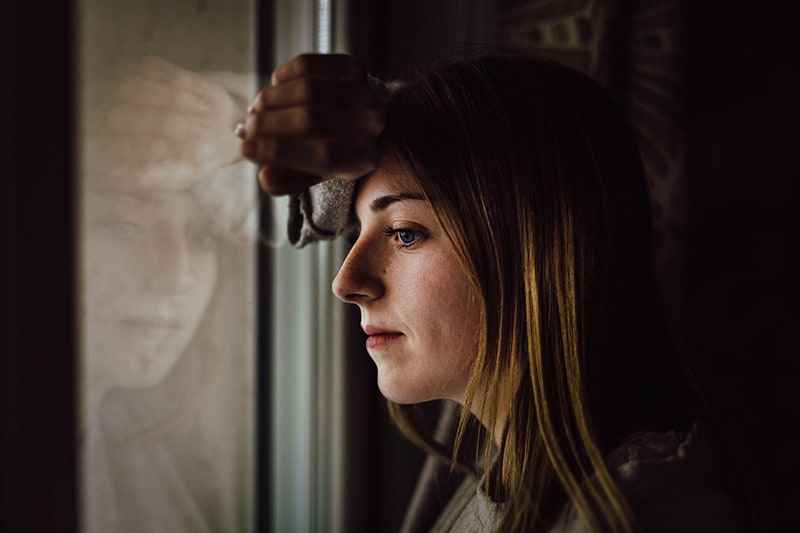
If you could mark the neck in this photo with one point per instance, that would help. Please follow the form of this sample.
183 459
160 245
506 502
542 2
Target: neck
495 418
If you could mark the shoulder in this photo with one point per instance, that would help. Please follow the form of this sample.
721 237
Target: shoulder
673 483
470 509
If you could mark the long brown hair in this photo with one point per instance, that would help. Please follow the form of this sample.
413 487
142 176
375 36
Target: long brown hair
535 178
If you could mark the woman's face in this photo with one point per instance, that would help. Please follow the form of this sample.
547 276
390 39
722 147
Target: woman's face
418 309
150 266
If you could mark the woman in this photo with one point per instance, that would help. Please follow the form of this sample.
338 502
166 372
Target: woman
502 260
166 224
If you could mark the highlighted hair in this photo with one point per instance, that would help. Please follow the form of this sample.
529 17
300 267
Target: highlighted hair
536 181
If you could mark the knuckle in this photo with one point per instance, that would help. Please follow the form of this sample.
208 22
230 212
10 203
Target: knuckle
259 150
259 101
303 64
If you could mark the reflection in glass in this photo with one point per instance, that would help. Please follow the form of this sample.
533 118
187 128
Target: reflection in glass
167 224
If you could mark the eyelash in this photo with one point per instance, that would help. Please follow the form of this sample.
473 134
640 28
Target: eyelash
394 233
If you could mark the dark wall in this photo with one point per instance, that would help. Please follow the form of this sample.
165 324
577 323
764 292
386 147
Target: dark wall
744 140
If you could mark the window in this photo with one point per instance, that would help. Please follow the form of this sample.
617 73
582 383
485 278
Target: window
168 241
166 233
137 387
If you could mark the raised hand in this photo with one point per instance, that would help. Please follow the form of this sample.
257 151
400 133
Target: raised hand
317 121
155 125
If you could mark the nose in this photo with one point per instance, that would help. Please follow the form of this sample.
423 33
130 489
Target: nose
171 268
359 279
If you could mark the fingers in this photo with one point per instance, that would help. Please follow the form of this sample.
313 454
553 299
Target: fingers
321 158
321 67
318 120
323 93
316 123
159 125
279 181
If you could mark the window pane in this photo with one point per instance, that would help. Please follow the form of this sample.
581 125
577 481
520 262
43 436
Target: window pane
168 222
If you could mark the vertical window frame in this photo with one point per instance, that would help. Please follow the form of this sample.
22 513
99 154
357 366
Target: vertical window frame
39 444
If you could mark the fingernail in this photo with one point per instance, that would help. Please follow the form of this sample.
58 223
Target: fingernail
240 131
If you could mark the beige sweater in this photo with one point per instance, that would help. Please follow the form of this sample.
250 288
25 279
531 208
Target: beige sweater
670 479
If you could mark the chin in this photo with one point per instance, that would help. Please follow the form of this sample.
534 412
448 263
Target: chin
148 370
142 380
402 392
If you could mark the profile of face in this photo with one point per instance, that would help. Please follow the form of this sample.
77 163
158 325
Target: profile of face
419 310
150 267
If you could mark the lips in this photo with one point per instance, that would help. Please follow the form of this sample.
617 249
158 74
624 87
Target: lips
380 338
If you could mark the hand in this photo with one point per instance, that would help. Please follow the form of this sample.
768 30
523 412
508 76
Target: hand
318 120
155 125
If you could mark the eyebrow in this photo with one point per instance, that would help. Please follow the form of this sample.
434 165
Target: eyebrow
382 202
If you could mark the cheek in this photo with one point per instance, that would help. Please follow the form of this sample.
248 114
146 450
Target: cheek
205 267
449 310
107 274
459 332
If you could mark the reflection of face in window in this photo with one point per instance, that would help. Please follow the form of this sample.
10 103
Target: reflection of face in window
150 266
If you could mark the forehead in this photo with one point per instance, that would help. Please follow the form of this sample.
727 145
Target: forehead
386 180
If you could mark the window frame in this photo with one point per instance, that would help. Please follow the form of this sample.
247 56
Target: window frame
39 445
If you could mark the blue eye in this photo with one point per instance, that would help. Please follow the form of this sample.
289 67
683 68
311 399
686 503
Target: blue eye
405 237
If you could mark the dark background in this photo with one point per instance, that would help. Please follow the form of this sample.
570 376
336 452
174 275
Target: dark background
742 307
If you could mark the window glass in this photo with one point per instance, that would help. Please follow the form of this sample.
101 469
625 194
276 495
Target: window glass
168 225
